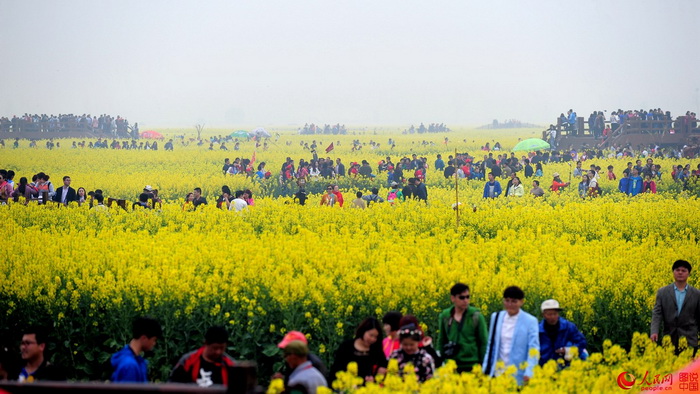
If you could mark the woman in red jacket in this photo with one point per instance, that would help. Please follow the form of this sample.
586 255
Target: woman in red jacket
649 186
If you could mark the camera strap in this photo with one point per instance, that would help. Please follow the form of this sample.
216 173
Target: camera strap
459 327
492 343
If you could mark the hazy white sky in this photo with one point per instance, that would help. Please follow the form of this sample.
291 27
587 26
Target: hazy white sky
361 62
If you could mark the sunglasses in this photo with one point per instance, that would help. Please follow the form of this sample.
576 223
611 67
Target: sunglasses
466 297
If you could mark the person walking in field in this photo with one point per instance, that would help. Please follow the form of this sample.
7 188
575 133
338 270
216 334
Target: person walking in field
557 183
365 349
207 365
129 366
463 333
492 188
677 308
558 335
536 190
394 194
304 377
238 203
373 197
513 339
421 190
338 195
198 198
635 183
36 365
516 189
410 337
391 322
286 371
359 202
329 198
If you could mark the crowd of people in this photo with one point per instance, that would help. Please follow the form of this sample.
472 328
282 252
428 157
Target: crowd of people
405 179
432 128
507 124
507 338
69 122
325 129
635 179
100 143
653 120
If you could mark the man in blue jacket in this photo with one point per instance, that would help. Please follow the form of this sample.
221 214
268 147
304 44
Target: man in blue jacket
558 335
439 163
624 185
129 366
492 188
513 339
572 120
635 183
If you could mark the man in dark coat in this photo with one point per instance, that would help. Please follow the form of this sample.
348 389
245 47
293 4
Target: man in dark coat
65 194
678 308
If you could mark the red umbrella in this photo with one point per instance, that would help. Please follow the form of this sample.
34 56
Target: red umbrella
151 134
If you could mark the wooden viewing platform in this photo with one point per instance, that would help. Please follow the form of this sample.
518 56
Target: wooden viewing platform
634 132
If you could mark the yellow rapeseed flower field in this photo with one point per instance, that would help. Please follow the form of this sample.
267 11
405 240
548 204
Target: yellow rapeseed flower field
278 266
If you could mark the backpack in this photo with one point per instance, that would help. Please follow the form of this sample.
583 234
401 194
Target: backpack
392 196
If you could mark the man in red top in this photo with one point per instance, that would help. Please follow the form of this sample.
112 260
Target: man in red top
207 365
557 183
338 195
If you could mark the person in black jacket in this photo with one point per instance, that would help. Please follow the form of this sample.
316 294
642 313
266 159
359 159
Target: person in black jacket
339 168
398 174
65 194
450 170
36 365
410 190
421 190
365 349
528 169
510 183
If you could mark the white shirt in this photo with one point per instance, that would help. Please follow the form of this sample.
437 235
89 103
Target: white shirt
237 204
64 194
593 183
507 333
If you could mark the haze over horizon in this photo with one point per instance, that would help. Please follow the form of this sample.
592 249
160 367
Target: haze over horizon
363 62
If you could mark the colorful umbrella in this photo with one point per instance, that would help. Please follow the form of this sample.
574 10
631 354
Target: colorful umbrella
260 133
239 134
531 144
151 134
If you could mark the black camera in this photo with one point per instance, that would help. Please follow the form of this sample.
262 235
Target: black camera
450 349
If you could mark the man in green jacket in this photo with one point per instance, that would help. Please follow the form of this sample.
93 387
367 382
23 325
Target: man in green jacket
463 334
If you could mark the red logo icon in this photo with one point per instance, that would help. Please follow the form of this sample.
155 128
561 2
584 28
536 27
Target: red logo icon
623 382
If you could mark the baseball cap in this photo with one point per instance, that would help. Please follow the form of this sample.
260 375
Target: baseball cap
556 174
394 184
551 304
292 336
148 187
297 348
